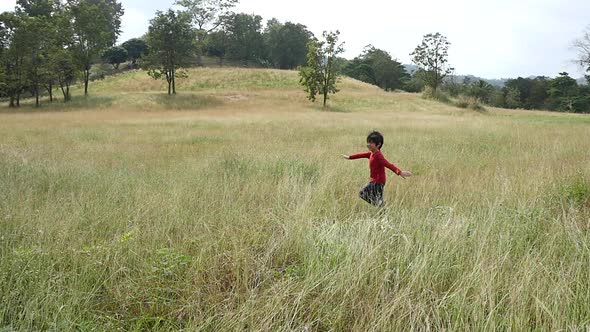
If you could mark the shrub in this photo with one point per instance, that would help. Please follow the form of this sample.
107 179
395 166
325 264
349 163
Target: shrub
437 95
577 191
469 103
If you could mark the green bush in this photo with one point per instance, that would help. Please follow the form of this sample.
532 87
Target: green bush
577 191
437 95
469 103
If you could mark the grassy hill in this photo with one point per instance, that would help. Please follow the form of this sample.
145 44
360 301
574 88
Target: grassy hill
227 207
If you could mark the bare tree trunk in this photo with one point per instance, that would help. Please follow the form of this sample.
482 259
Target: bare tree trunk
11 102
18 99
200 42
326 80
86 79
174 81
65 90
36 96
50 90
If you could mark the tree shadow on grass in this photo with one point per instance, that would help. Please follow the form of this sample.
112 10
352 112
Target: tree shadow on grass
76 103
186 101
141 102
331 108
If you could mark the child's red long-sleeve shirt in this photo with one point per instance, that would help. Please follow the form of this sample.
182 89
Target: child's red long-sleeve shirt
377 164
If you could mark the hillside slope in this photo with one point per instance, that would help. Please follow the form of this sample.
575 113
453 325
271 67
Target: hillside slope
246 88
215 87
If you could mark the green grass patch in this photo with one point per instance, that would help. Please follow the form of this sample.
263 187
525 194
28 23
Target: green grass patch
577 191
186 102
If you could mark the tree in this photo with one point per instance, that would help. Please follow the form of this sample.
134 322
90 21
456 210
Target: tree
390 74
217 44
37 47
339 62
512 98
377 67
64 66
37 19
415 84
136 48
563 92
37 8
432 58
207 16
582 46
115 56
171 41
15 41
3 93
96 26
481 90
538 93
2 79
287 43
32 37
245 41
523 86
321 75
61 60
452 86
498 99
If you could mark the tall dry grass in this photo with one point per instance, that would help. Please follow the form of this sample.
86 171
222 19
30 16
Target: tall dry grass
237 214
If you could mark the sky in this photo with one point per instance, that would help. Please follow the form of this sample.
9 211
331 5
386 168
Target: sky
489 38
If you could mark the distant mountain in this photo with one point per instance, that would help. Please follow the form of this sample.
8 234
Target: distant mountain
411 68
499 83
459 78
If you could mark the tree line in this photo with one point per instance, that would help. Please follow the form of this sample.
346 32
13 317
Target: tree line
49 45
562 93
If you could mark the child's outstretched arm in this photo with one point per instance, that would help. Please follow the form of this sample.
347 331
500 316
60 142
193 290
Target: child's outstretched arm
395 169
357 156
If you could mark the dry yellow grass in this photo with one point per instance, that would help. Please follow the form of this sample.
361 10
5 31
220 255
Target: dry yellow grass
227 208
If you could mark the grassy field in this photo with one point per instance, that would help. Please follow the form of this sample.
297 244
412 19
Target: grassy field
228 208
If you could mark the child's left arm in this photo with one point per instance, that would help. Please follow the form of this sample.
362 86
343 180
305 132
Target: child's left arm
395 169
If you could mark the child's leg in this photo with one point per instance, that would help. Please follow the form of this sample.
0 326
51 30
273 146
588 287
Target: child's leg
372 193
365 193
379 194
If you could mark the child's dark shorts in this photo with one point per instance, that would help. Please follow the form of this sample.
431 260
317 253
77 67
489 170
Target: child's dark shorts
373 193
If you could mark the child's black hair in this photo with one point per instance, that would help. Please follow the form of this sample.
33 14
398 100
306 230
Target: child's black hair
377 138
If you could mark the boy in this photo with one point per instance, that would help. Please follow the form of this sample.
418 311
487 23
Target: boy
373 191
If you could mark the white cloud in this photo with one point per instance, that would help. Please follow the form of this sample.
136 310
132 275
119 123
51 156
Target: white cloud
7 5
134 24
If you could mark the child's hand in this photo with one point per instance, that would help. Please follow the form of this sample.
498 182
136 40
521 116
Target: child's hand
345 156
405 174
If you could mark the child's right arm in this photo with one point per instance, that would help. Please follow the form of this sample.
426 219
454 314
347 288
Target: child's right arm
358 155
